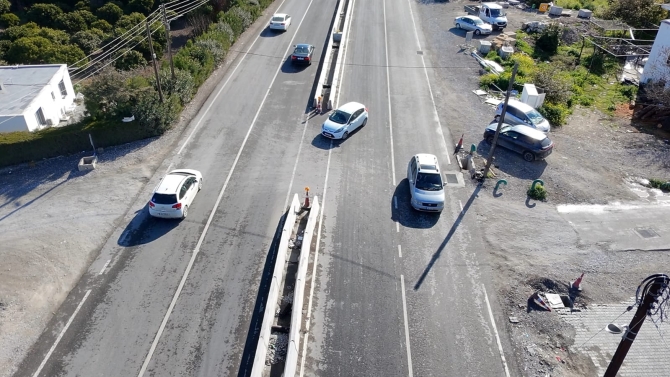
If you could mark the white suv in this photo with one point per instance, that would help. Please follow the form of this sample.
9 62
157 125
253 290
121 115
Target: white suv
175 193
425 183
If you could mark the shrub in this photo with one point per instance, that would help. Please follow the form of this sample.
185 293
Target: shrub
8 20
183 85
44 14
88 41
155 116
554 113
238 19
102 25
129 59
110 12
141 6
656 183
213 47
72 22
537 193
556 86
628 91
4 6
549 39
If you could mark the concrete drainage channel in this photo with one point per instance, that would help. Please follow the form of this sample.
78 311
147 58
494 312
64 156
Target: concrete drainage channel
328 83
279 341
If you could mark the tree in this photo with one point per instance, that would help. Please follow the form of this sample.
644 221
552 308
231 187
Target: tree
129 59
56 36
4 6
141 6
101 25
637 13
44 14
87 16
9 20
72 22
83 5
127 21
15 32
40 50
87 40
106 95
110 12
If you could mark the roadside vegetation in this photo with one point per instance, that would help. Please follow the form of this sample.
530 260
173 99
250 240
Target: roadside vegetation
126 88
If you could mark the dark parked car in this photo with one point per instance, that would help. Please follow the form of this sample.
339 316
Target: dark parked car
532 144
302 54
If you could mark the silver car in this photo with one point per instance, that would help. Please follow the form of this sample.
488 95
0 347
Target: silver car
473 23
425 183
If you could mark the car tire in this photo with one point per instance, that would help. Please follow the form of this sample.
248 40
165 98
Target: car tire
528 156
458 26
345 135
364 122
200 185
184 213
477 32
489 140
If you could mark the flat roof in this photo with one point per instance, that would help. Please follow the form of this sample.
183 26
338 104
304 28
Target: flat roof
21 84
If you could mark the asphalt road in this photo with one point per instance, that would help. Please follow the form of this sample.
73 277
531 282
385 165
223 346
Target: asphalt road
124 318
397 293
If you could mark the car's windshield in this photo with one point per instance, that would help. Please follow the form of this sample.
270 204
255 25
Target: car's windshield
429 182
301 50
477 21
278 18
340 117
535 117
497 13
164 198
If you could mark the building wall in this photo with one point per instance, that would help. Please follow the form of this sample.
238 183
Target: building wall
54 105
657 66
9 123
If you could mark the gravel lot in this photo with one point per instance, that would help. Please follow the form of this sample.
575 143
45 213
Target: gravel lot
596 160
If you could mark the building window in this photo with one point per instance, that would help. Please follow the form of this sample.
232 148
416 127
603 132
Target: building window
41 120
53 96
63 90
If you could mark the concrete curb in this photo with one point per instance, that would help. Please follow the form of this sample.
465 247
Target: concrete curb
299 293
335 84
277 278
325 67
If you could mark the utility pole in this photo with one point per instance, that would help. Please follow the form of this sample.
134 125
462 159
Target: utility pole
652 289
153 58
167 36
489 160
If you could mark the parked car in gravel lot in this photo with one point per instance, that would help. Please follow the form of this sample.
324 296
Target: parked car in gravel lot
425 183
530 143
523 114
280 21
345 120
473 23
302 54
175 193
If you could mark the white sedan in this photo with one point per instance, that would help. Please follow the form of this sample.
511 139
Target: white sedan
175 193
473 23
280 21
345 120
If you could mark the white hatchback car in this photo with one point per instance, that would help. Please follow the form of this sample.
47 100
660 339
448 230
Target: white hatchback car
345 120
280 21
425 183
175 193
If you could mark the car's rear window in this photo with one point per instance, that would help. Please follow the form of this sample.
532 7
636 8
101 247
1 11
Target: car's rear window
278 19
164 198
546 142
301 50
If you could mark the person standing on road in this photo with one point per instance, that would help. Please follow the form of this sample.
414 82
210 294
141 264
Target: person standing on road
318 104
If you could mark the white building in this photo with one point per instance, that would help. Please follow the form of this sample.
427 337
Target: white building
33 97
658 63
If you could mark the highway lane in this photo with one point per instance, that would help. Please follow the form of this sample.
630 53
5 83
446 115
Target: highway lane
205 333
359 314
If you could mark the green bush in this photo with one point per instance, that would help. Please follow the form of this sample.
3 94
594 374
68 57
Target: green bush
4 6
657 183
44 14
110 12
549 39
628 91
154 116
8 20
127 60
554 113
239 19
183 85
537 193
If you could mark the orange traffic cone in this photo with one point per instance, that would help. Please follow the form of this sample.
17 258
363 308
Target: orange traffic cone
459 146
575 284
539 301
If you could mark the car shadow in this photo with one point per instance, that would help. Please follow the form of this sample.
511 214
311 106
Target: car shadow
324 143
269 33
289 67
405 215
144 229
462 32
512 163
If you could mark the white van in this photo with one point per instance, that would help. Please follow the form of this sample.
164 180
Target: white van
523 114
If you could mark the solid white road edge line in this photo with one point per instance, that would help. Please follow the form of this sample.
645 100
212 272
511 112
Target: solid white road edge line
430 90
495 330
60 336
104 267
316 259
231 75
399 251
216 205
404 312
388 94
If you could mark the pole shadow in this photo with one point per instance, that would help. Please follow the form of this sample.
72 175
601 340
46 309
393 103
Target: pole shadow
444 243
253 335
